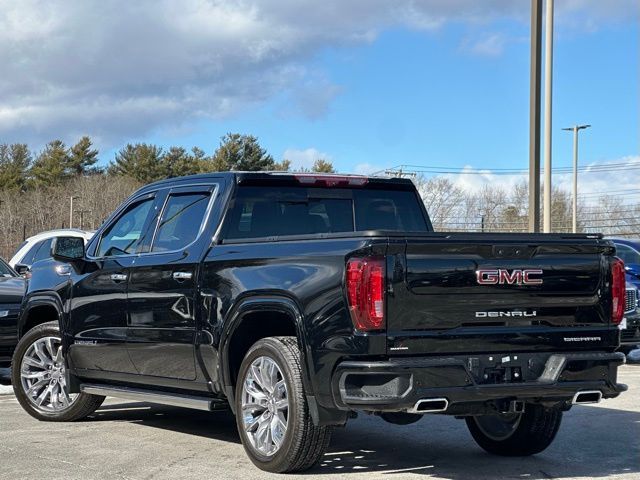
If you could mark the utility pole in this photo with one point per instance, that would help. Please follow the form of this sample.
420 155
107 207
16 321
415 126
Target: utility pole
71 211
548 77
534 116
575 129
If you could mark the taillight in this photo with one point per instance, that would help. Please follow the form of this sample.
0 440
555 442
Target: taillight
617 290
365 292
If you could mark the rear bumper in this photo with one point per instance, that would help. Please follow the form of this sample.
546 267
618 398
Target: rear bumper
398 384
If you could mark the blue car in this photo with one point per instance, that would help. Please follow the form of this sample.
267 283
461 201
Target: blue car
629 251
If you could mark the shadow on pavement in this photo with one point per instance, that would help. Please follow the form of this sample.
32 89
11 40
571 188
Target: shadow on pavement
214 425
593 442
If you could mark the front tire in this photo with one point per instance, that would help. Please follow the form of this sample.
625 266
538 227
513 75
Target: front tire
272 413
38 378
516 435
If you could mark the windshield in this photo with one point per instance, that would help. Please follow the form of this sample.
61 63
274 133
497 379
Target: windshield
5 270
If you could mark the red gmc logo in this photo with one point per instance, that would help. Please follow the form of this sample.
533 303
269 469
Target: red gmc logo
502 276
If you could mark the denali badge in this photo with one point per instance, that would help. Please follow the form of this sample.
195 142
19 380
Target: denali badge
501 276
582 339
515 313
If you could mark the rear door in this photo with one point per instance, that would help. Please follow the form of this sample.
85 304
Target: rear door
163 286
464 293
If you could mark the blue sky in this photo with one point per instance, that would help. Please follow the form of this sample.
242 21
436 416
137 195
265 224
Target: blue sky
366 84
430 99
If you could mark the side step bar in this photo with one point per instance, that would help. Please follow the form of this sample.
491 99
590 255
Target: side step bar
164 398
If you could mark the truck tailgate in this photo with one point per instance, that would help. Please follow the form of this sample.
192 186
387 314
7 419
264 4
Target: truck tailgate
494 293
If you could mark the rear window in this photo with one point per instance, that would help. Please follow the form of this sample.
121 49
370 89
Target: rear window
267 212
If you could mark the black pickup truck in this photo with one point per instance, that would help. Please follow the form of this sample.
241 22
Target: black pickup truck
297 300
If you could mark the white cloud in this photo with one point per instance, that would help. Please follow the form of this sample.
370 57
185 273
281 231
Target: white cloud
304 158
369 169
120 69
489 45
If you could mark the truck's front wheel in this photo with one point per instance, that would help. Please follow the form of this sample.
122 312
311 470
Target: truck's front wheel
516 434
272 412
39 380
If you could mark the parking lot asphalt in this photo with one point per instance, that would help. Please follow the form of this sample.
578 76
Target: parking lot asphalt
128 440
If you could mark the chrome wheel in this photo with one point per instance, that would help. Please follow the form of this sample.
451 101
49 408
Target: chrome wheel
42 374
498 427
265 406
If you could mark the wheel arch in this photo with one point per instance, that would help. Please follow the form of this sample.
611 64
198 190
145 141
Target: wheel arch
39 309
246 324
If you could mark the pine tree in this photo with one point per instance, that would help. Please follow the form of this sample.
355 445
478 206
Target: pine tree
142 162
177 162
82 157
241 153
50 167
15 160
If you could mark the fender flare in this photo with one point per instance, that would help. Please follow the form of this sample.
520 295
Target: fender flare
260 303
40 299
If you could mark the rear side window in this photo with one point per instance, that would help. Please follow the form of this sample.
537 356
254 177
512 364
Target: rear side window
181 221
44 251
268 212
31 253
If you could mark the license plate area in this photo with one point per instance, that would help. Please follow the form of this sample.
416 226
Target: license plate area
506 368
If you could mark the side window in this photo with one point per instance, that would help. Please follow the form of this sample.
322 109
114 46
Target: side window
44 251
31 253
181 221
125 235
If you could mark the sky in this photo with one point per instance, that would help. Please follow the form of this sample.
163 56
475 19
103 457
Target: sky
366 84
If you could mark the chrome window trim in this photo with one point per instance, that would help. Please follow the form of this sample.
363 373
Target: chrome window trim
214 187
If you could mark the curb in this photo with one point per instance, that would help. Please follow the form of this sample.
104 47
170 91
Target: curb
6 390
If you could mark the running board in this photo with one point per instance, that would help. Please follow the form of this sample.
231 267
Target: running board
164 398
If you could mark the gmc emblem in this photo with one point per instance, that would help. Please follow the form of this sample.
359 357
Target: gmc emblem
502 276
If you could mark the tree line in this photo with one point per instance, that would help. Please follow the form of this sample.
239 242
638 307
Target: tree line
494 208
36 188
21 170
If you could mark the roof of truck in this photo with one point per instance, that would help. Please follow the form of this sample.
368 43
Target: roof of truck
303 178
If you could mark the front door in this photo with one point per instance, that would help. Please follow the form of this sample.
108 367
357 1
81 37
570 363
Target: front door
98 308
163 286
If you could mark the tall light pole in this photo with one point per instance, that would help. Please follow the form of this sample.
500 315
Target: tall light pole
548 76
575 129
534 116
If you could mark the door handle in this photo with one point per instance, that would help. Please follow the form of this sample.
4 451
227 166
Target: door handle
118 277
181 276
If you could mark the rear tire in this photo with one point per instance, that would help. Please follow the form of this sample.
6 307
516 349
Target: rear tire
38 377
272 413
516 435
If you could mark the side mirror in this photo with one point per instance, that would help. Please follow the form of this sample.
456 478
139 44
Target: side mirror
67 249
633 269
21 269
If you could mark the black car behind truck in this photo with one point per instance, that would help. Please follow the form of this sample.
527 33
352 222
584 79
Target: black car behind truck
12 288
297 300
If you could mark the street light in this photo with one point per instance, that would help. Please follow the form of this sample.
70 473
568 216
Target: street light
575 129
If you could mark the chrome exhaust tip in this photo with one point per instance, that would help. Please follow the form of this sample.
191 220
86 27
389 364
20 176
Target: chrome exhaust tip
430 405
587 396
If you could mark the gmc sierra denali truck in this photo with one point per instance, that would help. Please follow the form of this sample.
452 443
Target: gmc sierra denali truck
298 300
